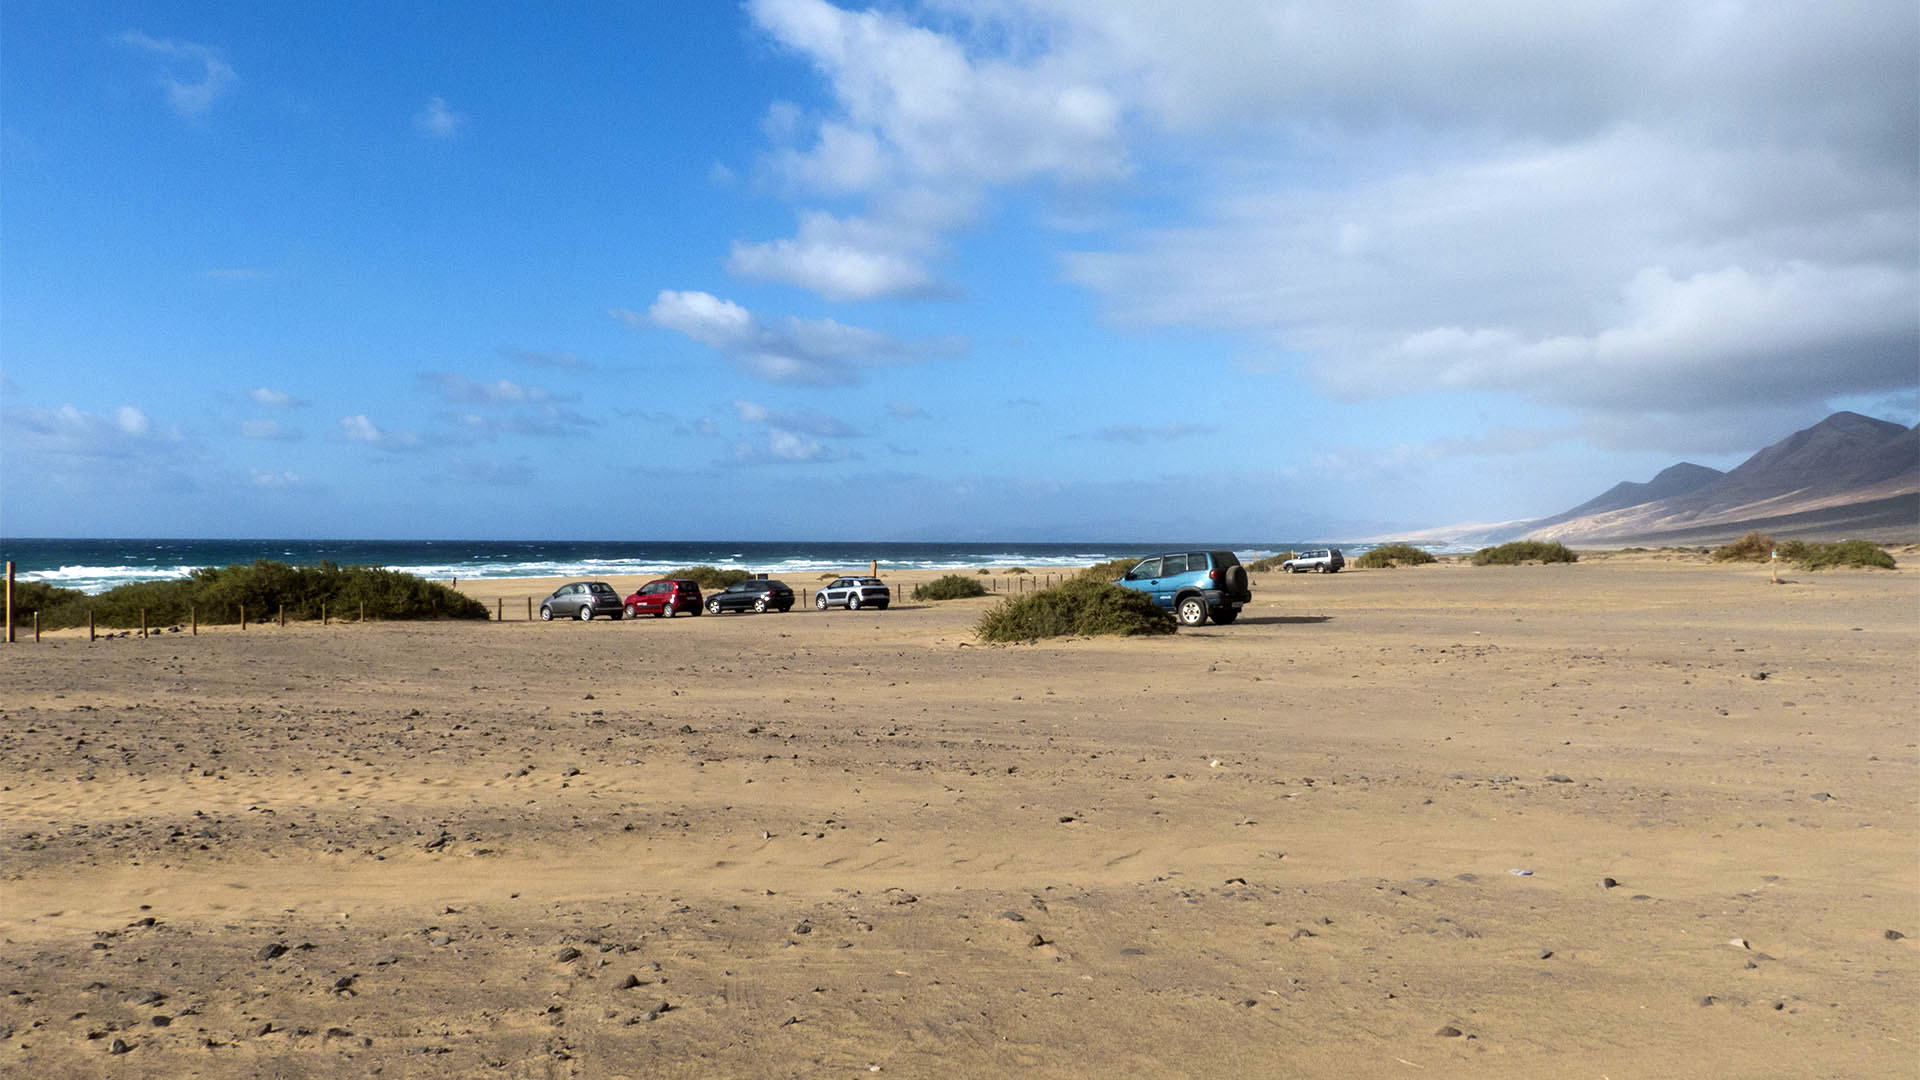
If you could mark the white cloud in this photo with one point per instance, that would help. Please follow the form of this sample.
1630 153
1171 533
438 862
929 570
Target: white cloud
131 421
210 75
360 429
817 352
81 450
437 120
277 399
918 129
837 271
1598 207
459 388
1713 338
266 478
789 436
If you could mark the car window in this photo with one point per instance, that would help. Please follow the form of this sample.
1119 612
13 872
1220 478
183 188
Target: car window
870 581
1147 568
1173 564
1197 560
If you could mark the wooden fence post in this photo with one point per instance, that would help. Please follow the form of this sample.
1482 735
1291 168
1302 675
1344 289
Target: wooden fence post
323 614
193 615
89 624
243 616
363 611
9 601
499 609
283 616
36 627
529 609
143 622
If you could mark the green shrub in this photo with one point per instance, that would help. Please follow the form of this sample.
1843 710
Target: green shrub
1081 606
1387 556
1846 553
1795 550
1519 551
1111 570
1756 546
1016 570
1271 562
950 587
983 571
712 577
217 595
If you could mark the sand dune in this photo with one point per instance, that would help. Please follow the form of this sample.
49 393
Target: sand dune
824 844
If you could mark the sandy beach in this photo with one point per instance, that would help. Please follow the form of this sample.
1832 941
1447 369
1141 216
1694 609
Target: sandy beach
1639 816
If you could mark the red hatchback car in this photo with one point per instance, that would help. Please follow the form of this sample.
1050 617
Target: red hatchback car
666 596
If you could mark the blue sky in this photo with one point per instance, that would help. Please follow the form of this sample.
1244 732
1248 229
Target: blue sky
1019 269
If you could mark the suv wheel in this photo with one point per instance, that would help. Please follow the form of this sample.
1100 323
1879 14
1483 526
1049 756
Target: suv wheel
1225 616
853 601
632 612
760 605
667 609
820 601
546 613
713 607
586 611
1191 610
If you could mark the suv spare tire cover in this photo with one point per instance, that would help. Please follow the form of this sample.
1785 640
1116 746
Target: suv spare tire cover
1237 578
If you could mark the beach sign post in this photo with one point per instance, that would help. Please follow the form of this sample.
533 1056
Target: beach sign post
9 601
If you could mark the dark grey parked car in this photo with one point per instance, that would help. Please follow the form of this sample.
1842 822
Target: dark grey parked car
581 600
854 593
753 594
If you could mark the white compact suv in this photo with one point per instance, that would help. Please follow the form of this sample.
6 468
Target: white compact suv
854 593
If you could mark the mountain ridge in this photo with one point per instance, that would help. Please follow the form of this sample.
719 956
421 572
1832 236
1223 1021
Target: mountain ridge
1848 471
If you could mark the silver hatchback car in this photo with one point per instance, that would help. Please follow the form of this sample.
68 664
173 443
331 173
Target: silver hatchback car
582 600
854 593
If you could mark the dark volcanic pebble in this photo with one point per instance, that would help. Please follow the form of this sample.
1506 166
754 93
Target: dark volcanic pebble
803 927
1609 883
1014 916
118 1046
629 982
1894 935
270 952
1449 1032
567 955
1546 954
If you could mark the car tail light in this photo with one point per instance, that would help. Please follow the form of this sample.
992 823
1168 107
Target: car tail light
1214 574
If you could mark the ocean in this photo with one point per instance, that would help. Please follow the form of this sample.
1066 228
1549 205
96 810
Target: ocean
97 565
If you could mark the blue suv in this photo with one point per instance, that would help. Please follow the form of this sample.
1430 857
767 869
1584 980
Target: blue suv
1194 585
